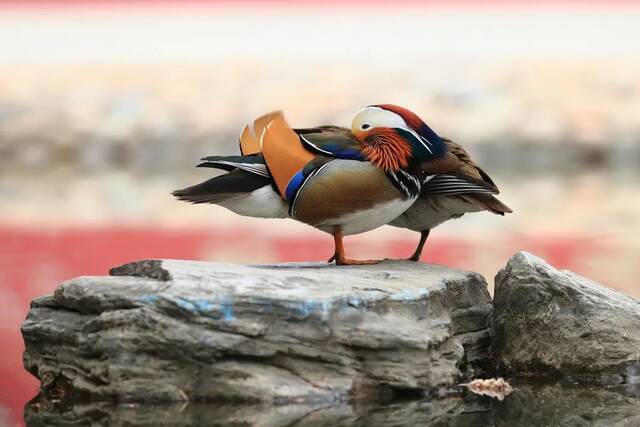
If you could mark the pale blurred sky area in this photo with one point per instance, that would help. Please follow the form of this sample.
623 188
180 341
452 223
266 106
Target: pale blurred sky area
375 33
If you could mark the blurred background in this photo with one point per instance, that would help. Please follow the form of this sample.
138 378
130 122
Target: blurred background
106 106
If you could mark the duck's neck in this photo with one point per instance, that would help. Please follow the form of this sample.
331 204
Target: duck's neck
435 143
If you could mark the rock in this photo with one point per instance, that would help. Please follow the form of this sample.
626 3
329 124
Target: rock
555 323
166 331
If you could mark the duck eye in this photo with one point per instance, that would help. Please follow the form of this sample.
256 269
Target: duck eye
365 126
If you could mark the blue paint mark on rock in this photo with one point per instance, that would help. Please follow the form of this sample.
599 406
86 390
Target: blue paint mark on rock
226 309
185 304
311 307
203 305
200 306
355 302
148 299
306 308
326 308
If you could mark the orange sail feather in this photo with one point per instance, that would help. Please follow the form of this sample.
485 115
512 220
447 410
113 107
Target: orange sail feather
283 152
250 141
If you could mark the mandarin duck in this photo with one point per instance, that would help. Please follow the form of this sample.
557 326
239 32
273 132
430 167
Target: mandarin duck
465 189
390 167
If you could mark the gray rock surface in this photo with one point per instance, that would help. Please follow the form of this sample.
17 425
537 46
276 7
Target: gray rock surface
306 333
555 323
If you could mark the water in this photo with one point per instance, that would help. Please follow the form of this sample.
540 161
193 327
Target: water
526 406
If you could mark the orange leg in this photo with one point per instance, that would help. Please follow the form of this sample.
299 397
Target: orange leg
339 253
423 239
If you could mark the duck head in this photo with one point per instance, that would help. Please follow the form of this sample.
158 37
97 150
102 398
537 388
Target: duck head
395 138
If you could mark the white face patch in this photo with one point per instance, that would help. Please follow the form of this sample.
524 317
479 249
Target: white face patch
374 117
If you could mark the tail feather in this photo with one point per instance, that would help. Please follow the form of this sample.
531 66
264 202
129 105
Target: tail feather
488 202
192 196
222 188
254 164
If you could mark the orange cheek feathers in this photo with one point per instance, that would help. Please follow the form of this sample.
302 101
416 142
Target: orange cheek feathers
360 135
386 149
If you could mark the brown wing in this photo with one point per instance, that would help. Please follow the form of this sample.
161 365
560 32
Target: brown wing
469 181
468 168
457 175
449 163
327 130
331 141
487 202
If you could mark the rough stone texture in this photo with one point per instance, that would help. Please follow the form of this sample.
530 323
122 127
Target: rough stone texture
304 333
556 323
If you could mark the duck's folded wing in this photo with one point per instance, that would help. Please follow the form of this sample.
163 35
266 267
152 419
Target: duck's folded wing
457 174
468 167
468 181
451 185
331 141
487 202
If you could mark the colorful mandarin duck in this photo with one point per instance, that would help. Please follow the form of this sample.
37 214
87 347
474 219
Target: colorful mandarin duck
389 168
445 196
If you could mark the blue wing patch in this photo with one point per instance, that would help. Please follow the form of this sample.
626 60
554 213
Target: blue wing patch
342 152
294 185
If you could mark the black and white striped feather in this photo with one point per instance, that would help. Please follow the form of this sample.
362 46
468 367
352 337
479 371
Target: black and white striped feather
407 183
253 164
451 185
